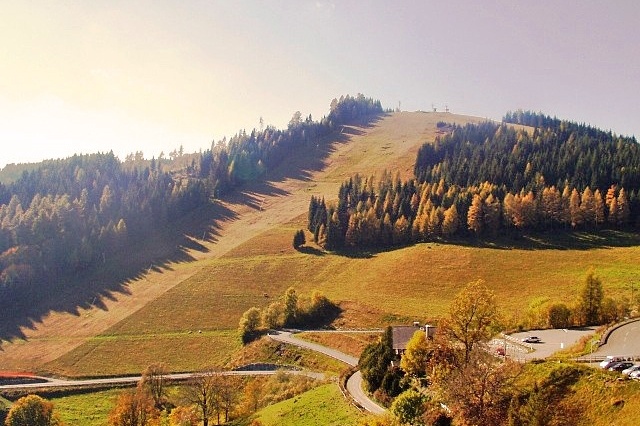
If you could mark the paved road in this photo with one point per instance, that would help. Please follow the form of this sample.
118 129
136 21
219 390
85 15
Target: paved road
623 341
57 383
354 384
355 388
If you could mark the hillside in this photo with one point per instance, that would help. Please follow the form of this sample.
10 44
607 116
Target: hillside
178 311
389 144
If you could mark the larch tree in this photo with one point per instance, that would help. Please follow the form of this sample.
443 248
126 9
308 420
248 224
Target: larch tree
588 208
475 220
624 211
574 209
612 218
451 221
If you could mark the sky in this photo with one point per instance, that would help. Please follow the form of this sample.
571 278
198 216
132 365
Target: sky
151 76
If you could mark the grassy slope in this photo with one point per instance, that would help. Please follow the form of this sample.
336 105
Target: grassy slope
601 399
324 405
389 287
89 409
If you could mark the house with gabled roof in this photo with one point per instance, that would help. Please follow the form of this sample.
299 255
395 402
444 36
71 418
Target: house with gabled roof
401 334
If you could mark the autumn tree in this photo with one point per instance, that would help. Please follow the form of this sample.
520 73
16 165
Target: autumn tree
480 392
590 299
408 407
203 391
558 316
32 410
249 324
184 416
416 356
154 379
475 220
471 318
133 408
229 395
290 307
451 221
272 315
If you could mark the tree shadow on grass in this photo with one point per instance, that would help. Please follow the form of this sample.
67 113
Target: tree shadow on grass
169 246
311 250
554 240
560 240
108 281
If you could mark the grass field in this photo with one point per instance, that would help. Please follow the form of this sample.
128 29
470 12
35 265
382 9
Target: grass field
324 405
88 409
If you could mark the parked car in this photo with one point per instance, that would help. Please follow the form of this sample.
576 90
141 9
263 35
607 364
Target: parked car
635 374
619 366
532 339
610 360
628 371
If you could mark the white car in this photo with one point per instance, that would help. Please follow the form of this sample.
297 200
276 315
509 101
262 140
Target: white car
628 371
532 339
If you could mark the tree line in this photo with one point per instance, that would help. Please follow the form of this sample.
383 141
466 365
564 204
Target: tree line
246 157
64 216
487 180
72 214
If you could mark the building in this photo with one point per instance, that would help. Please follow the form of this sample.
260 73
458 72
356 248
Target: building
401 334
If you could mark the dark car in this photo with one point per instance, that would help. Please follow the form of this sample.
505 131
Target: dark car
619 366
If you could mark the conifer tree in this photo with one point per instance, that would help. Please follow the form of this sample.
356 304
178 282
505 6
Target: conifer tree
623 208
599 208
574 209
475 219
451 221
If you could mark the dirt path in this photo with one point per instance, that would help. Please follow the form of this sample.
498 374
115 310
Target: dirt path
391 144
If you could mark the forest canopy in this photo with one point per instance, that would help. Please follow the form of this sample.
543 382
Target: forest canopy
489 179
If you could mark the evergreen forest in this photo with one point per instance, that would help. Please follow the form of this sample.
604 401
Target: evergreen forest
491 179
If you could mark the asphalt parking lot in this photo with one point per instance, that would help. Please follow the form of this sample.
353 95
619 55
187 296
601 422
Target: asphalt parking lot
552 341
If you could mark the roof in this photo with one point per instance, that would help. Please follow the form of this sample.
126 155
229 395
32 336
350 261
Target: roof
401 335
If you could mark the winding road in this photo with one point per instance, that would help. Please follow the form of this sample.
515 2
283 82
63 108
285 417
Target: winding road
354 384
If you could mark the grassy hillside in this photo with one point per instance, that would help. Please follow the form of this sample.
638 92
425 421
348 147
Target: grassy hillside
324 405
186 313
86 409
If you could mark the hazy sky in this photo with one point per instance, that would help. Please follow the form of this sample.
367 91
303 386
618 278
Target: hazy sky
88 76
